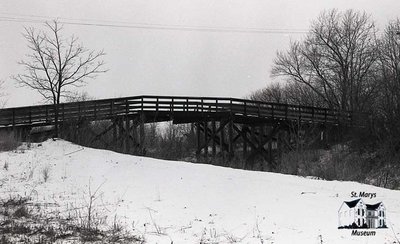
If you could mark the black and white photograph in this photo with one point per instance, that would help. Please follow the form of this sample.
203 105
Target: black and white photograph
200 121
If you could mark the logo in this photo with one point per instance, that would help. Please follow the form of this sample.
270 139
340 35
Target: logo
356 214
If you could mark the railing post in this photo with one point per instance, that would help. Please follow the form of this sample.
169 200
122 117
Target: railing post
157 104
245 109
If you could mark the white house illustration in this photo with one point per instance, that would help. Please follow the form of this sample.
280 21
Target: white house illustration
376 216
357 214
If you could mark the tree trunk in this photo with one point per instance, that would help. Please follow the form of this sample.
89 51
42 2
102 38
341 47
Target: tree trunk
56 131
56 114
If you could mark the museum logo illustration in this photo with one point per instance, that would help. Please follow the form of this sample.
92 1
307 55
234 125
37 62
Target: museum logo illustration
357 214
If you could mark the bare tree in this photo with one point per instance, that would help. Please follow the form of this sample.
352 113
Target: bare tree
290 92
388 107
274 92
337 60
301 94
57 64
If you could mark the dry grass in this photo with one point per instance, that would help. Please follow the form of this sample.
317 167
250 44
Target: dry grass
8 141
22 222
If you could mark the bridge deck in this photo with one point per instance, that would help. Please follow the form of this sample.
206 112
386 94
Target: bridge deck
182 109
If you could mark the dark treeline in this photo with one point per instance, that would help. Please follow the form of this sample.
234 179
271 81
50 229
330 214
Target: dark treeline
345 63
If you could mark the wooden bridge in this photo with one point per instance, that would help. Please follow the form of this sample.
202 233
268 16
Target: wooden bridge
220 122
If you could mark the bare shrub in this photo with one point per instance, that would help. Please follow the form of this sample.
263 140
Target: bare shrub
5 166
31 171
46 173
338 163
300 162
13 201
5 240
116 226
89 219
158 229
209 236
8 141
21 212
24 222
233 239
92 216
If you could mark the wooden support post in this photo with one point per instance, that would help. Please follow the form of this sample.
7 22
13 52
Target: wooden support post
214 147
222 140
253 137
115 136
121 135
325 136
127 135
244 134
260 135
16 133
230 139
279 148
206 139
260 143
135 140
198 135
142 147
270 154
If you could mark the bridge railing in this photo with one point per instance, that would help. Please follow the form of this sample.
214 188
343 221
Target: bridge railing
245 108
108 108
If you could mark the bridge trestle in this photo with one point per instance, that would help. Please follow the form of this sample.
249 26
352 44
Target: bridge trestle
248 143
227 128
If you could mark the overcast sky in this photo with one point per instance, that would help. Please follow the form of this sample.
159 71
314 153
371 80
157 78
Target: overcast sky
169 60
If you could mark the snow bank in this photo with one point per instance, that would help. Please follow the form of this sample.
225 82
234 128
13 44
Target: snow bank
182 202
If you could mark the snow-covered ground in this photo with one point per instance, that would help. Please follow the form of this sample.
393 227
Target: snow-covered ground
167 201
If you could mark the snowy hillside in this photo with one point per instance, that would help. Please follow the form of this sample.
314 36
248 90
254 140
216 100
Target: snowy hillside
166 201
